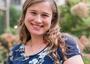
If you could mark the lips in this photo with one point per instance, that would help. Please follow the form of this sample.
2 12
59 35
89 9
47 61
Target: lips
36 26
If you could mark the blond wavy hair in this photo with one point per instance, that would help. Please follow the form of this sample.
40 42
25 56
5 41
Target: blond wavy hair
52 36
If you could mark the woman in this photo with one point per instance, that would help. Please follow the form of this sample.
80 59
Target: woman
41 41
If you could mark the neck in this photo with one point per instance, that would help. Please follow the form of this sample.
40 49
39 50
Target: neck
36 40
36 44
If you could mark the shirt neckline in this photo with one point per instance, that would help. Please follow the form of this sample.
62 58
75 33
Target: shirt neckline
35 53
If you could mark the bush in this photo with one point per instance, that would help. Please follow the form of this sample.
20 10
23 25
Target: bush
1 23
87 49
14 16
86 60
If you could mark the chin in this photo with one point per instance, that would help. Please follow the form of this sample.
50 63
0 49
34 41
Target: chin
37 33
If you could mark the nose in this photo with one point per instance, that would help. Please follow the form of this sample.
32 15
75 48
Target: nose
38 19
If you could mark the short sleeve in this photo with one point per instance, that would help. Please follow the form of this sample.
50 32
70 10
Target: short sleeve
9 61
12 54
10 57
72 45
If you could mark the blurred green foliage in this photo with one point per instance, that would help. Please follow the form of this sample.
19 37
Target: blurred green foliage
14 17
1 22
87 49
86 60
71 23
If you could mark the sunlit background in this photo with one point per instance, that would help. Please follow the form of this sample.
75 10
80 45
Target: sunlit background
74 19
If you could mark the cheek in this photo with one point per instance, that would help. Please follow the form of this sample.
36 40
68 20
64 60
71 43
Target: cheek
27 17
48 23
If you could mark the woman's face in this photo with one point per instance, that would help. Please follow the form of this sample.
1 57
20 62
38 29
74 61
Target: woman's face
38 18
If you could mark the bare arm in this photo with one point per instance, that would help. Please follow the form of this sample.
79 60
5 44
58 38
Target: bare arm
74 60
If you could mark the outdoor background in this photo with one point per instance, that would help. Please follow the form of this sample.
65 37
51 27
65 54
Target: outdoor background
74 19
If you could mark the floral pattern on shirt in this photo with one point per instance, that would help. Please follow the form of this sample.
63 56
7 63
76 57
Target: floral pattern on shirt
17 55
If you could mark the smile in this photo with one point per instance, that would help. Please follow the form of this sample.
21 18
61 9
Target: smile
37 25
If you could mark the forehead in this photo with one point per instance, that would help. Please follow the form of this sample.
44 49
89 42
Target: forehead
31 2
41 6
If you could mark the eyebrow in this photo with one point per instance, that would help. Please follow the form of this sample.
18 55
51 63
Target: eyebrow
42 12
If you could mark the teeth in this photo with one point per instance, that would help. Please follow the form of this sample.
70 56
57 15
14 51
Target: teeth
37 25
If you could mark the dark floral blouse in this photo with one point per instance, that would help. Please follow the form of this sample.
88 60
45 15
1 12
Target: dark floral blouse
44 56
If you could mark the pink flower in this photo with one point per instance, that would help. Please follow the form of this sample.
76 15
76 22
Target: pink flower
81 9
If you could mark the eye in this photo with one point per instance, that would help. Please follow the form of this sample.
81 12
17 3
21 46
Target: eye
33 13
45 15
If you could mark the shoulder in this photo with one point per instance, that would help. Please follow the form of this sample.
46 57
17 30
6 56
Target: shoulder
16 50
72 45
15 53
16 47
70 39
